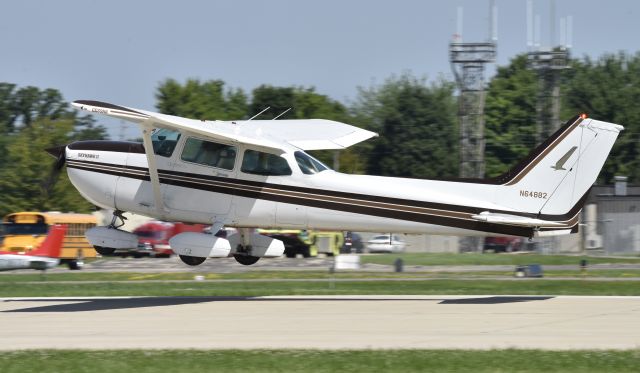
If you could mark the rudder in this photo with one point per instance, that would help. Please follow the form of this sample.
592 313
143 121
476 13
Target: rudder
51 247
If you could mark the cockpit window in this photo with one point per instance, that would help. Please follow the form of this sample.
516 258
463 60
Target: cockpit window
209 153
259 163
164 141
308 164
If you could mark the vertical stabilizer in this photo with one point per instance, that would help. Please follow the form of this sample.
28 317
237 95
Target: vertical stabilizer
553 180
52 245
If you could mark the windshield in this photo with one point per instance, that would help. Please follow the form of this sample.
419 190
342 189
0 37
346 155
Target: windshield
10 228
309 165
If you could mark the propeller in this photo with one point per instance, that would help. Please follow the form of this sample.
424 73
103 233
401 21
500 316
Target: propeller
58 152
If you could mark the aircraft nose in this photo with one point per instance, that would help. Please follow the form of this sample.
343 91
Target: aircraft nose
57 151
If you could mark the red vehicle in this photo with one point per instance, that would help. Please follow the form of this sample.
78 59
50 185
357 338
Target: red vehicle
153 237
503 244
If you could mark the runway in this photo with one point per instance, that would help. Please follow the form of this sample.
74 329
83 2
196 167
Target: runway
332 322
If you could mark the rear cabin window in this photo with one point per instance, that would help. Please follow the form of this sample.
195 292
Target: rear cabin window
259 163
164 141
209 153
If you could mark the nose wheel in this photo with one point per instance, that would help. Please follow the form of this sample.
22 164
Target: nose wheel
104 251
107 251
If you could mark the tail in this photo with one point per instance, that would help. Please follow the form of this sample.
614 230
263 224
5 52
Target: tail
548 189
52 245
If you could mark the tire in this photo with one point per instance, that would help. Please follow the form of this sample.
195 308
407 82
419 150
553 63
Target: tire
74 264
104 251
192 260
246 260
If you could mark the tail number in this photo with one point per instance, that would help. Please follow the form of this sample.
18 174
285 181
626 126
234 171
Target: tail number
530 194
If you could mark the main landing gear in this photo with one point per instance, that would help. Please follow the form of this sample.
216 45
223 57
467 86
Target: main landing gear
244 249
192 260
246 260
106 251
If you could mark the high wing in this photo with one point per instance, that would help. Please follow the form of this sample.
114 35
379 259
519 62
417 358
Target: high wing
306 134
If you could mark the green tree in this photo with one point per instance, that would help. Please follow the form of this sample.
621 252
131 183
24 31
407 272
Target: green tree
28 167
201 100
32 120
21 106
417 126
278 99
510 116
608 89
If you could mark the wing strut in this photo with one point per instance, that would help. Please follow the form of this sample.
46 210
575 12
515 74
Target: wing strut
153 169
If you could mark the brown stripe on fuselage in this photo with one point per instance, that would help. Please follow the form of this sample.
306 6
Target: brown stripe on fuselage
320 198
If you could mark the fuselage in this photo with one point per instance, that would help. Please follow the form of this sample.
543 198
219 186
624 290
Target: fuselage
10 262
115 175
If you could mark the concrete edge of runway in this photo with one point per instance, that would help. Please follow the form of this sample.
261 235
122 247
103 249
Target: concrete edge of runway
322 322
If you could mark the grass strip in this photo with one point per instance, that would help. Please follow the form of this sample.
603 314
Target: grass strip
193 361
307 274
324 287
438 259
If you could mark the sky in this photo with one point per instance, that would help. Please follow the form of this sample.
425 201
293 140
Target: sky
119 51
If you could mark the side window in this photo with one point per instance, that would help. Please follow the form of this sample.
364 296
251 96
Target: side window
209 153
259 163
164 141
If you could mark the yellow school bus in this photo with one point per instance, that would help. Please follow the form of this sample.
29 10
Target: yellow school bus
25 231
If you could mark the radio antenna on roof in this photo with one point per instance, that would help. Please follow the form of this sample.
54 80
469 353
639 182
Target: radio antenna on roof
253 117
281 114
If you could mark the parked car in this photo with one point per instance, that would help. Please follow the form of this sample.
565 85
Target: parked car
385 243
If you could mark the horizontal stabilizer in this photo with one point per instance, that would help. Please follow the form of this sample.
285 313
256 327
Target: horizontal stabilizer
523 221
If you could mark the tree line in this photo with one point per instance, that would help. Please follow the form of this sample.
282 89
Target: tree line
416 120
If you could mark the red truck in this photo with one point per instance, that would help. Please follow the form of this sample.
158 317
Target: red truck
153 237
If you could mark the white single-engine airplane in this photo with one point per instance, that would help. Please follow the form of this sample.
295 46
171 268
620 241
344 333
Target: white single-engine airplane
256 174
44 257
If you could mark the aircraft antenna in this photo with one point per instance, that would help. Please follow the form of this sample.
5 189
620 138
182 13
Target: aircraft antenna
281 114
265 109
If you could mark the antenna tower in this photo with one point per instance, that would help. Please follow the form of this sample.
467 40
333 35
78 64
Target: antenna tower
548 63
468 62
